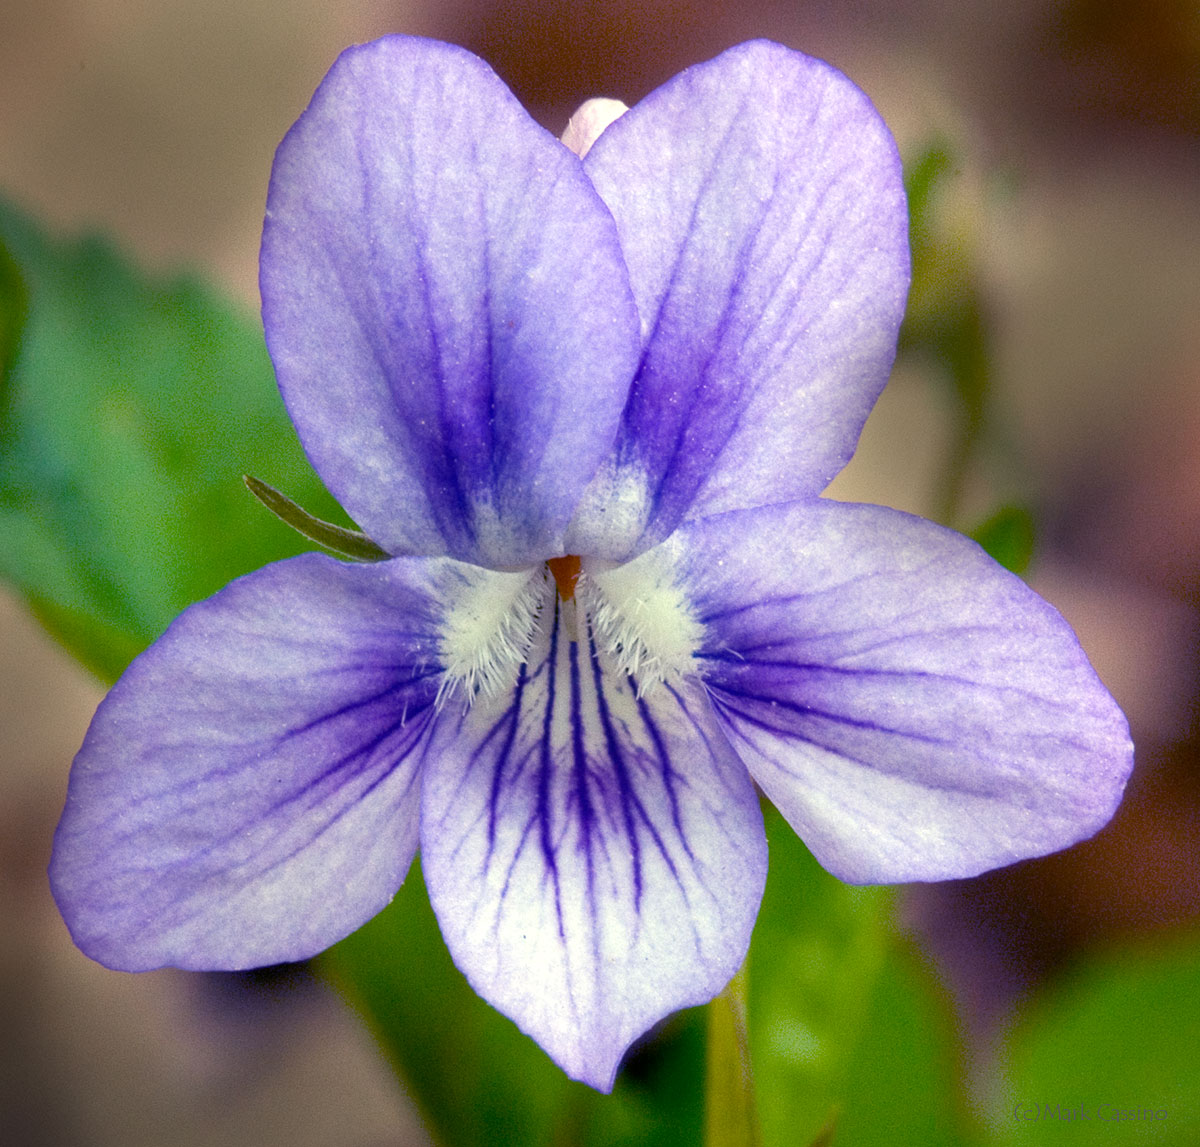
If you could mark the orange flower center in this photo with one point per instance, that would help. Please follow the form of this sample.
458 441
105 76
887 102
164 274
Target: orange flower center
566 574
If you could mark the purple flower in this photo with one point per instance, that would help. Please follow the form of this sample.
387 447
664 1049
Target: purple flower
589 406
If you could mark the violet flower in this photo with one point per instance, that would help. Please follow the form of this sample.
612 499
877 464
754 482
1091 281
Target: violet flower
589 406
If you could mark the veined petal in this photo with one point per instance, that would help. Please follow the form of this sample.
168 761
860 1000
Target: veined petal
446 305
914 710
595 859
248 791
762 216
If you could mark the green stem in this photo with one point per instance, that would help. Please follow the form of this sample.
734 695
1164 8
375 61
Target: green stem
730 1115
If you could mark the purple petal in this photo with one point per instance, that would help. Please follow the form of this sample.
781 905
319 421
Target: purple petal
596 859
915 711
446 306
247 792
762 215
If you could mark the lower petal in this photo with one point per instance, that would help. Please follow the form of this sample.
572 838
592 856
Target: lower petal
915 711
595 859
248 791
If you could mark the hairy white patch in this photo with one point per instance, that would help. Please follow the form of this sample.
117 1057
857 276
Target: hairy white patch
491 621
495 622
642 618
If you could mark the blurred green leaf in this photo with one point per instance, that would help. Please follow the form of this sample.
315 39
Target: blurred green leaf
1009 536
817 950
14 305
1117 1034
940 258
945 319
129 412
480 1081
923 177
847 1027
943 312
904 1082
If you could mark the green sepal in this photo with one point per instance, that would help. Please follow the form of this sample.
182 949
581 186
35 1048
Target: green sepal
352 544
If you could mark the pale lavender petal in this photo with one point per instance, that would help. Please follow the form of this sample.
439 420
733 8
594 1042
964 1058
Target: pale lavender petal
762 215
595 859
248 791
446 306
915 711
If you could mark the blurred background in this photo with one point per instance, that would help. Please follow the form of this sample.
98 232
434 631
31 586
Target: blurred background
1075 131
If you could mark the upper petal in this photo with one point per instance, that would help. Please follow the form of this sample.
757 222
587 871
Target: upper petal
446 305
762 215
914 710
595 859
248 792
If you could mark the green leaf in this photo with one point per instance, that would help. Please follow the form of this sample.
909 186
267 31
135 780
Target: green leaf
1116 1034
130 409
480 1082
903 1088
850 1037
1009 536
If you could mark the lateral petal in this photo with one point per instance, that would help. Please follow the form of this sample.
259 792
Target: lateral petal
248 791
914 710
446 306
761 211
596 859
